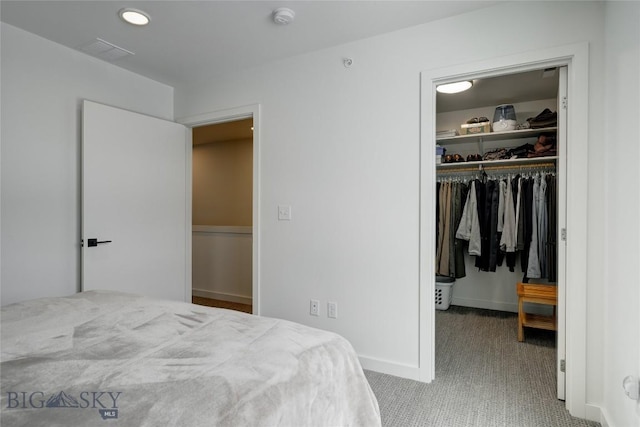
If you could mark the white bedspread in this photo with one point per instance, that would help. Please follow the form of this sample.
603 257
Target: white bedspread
112 359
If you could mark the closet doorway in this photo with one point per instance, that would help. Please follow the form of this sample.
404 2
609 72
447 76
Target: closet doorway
497 211
571 258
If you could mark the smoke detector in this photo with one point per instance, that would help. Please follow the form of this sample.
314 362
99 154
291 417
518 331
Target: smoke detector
283 16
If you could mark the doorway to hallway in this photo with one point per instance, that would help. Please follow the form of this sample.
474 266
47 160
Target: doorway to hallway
222 181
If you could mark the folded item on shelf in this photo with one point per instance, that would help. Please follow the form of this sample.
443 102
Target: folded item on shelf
545 143
453 158
474 158
520 152
473 128
446 133
546 118
553 151
474 120
497 154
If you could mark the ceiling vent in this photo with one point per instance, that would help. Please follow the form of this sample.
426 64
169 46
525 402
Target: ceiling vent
104 50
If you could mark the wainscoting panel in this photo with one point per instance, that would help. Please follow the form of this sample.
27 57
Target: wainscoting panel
222 263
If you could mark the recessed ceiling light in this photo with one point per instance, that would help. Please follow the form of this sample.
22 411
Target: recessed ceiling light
134 16
454 87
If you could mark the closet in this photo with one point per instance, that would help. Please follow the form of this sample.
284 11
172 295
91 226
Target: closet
517 169
498 290
527 160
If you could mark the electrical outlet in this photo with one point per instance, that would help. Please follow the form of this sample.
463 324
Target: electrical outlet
314 307
332 310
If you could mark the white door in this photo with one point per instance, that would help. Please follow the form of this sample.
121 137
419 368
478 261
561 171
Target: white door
135 204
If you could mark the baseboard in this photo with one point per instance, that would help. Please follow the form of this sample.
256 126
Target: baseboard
500 306
222 296
391 368
218 229
486 304
602 415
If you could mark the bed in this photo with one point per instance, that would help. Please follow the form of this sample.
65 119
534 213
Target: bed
104 358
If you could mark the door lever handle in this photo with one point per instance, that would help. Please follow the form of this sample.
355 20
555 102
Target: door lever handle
94 242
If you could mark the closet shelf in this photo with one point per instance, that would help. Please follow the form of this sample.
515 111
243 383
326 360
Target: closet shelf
496 136
525 162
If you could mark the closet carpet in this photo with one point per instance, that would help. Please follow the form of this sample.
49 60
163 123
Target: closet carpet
484 377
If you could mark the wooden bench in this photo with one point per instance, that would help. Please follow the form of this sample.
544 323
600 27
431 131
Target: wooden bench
538 294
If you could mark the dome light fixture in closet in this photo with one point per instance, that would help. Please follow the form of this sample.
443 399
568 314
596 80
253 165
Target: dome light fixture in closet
456 87
134 16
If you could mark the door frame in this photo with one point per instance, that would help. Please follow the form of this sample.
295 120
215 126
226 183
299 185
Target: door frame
572 328
229 115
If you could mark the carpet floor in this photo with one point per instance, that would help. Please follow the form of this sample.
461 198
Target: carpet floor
484 377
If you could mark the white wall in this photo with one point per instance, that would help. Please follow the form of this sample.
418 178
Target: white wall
223 183
43 84
342 147
620 149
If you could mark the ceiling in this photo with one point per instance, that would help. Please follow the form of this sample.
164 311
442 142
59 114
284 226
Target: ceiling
507 89
223 132
191 41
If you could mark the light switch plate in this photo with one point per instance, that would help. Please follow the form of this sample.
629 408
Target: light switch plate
332 310
284 213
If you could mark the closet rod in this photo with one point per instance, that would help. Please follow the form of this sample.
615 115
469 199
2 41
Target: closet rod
486 168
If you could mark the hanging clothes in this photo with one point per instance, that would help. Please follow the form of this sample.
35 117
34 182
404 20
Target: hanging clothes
457 267
451 198
508 240
509 231
490 241
469 228
437 216
551 248
440 225
519 214
542 226
533 263
494 236
502 194
495 218
526 218
443 266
